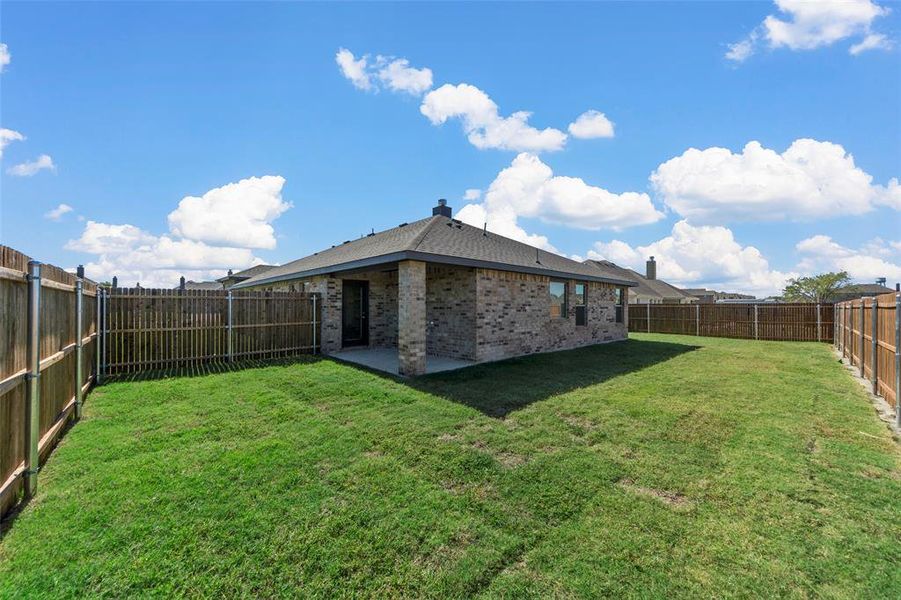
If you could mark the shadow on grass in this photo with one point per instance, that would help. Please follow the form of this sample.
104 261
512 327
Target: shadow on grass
211 368
499 388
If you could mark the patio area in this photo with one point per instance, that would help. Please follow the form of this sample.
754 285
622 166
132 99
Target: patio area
385 359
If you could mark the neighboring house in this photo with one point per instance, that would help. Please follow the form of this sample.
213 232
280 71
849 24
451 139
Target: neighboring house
198 285
858 290
649 289
233 278
710 296
440 288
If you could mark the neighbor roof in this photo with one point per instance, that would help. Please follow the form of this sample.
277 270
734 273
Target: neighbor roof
247 273
201 285
437 239
655 288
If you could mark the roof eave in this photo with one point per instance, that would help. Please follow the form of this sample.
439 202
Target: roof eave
429 258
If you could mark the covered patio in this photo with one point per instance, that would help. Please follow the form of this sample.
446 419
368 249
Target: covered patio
387 360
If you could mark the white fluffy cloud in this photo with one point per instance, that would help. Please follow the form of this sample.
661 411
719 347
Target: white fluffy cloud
208 235
806 25
30 168
395 74
528 188
237 214
354 69
481 121
810 179
876 258
591 124
399 76
57 213
472 194
874 41
700 256
136 256
5 56
8 136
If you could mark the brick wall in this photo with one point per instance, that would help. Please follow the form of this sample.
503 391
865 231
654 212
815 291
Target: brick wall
451 311
513 316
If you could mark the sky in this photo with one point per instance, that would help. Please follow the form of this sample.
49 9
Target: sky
740 143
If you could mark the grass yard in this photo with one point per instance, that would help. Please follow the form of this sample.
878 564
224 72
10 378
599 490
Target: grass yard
663 466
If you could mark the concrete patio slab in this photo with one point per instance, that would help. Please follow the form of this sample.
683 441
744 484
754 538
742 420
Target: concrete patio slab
385 359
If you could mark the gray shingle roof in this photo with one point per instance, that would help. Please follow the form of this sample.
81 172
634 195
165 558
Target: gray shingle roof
436 239
655 288
248 273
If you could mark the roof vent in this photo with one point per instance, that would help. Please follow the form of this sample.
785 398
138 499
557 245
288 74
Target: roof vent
402 225
442 209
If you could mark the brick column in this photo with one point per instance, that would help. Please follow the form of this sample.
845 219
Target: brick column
329 290
411 325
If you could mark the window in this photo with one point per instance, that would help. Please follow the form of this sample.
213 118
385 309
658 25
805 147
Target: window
581 302
619 305
559 302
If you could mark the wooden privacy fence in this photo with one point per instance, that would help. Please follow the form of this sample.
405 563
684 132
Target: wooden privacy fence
868 334
157 329
47 363
800 322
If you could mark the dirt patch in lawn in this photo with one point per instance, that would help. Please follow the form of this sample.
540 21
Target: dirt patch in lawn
674 499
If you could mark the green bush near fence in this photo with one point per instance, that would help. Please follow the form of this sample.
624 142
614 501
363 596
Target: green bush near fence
659 467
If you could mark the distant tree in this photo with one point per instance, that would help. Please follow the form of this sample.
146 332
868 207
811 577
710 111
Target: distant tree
816 288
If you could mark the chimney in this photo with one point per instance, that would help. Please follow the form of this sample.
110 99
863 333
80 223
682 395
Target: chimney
442 209
651 269
881 281
230 273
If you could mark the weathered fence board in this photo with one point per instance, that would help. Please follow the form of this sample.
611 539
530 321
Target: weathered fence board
156 329
763 321
58 348
868 331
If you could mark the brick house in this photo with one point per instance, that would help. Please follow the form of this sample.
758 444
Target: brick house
441 290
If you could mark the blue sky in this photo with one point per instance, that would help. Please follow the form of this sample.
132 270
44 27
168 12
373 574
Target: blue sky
141 107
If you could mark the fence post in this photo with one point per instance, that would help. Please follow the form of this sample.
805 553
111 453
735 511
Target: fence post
649 316
33 388
756 337
230 347
314 324
898 359
861 339
819 324
97 340
79 335
697 319
875 345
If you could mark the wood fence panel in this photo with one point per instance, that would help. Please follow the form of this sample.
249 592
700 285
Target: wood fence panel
855 341
764 321
58 355
154 329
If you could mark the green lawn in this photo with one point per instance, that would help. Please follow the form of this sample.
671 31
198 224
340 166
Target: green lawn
658 467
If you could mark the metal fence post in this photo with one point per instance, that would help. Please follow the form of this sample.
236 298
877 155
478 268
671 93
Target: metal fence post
33 386
874 354
649 316
898 360
860 349
230 347
697 319
314 324
99 335
819 324
756 336
79 335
